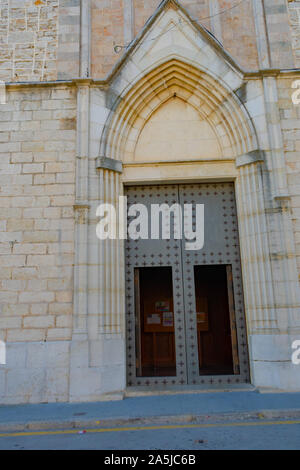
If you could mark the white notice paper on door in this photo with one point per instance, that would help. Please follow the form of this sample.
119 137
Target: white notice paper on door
153 319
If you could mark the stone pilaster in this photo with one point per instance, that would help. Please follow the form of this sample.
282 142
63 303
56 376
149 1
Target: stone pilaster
79 359
261 34
68 53
279 34
128 9
294 18
85 32
215 20
81 211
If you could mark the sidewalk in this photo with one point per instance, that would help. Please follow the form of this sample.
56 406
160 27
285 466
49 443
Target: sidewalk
196 407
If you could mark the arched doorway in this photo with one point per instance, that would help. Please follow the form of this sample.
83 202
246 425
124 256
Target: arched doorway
185 320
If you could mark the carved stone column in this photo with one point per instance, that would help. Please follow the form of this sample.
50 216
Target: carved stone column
98 361
112 303
106 286
258 285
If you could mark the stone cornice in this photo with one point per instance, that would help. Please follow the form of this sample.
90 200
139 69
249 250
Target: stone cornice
104 83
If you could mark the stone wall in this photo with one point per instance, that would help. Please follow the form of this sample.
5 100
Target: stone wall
107 18
37 166
29 39
290 124
238 32
39 40
294 18
233 24
290 114
228 21
279 34
68 39
109 28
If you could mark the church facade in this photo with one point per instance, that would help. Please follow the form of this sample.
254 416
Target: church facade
186 103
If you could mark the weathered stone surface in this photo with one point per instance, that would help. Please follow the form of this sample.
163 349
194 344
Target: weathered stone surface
294 19
32 236
29 36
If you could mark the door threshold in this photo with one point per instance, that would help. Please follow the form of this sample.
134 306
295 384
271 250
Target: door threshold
186 389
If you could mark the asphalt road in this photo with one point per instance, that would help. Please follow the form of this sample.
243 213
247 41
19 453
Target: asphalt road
252 435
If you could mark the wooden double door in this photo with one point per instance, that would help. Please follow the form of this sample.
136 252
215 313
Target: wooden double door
185 318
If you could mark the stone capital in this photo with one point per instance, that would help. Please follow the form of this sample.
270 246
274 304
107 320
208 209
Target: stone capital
106 163
251 157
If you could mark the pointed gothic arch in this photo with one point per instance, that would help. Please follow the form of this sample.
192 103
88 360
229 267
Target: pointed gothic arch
219 106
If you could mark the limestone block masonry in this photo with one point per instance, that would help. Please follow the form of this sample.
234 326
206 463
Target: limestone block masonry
294 19
29 40
37 240
195 91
